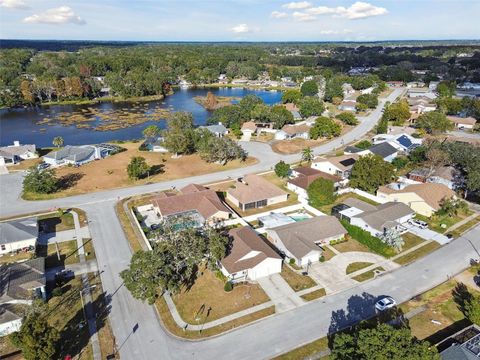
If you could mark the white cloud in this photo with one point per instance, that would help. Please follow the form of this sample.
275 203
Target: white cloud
60 15
297 5
278 14
321 10
301 16
14 4
361 10
335 32
240 29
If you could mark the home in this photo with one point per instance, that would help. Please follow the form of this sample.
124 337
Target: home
249 128
368 90
421 92
415 84
239 81
154 144
289 132
304 176
424 199
394 84
433 85
74 155
402 142
347 105
15 153
462 123
347 89
374 219
219 130
18 235
195 201
22 282
385 150
446 175
340 166
294 110
301 240
253 191
463 345
222 79
249 257
11 318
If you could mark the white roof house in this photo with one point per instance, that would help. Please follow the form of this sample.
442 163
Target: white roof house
12 154
18 234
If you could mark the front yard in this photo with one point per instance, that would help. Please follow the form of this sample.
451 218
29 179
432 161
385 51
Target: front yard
295 280
54 222
67 250
441 223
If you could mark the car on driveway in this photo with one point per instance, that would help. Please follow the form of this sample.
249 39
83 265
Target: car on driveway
418 223
385 303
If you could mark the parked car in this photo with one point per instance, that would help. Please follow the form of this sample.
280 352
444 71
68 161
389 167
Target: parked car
418 223
385 303
42 166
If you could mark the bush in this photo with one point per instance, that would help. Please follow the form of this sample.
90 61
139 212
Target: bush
282 169
348 118
367 239
322 258
364 145
228 286
291 261
400 162
57 292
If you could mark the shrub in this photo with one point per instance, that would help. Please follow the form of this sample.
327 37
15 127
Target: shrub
291 261
282 169
400 162
364 144
322 258
228 286
348 118
57 292
321 192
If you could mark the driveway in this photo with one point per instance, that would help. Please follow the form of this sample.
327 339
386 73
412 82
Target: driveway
280 293
428 234
61 236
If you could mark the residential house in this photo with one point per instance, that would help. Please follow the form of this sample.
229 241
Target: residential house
347 89
249 128
249 257
415 84
288 132
253 191
15 153
222 79
10 319
294 110
368 90
462 123
421 92
348 105
74 155
304 176
424 199
385 150
219 130
18 235
394 84
463 345
446 175
154 144
403 142
202 205
301 240
433 85
340 166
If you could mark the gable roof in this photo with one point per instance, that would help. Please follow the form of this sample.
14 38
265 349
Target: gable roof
216 129
384 149
304 181
359 204
18 230
301 237
72 153
386 215
342 162
295 129
249 125
246 241
462 121
18 150
17 279
254 188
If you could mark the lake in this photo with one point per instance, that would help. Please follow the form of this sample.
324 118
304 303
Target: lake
22 124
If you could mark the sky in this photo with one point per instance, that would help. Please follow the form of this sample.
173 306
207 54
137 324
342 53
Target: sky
239 20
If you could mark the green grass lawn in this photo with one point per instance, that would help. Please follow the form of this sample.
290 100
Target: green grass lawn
327 209
367 275
463 228
411 240
353 267
436 221
417 254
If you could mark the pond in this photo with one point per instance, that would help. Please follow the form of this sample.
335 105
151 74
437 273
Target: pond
40 125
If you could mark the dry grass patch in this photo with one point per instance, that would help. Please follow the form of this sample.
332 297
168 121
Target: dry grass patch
314 295
411 240
67 249
368 274
12 258
296 281
129 229
306 351
294 146
25 164
327 253
353 267
417 254
351 245
206 300
463 228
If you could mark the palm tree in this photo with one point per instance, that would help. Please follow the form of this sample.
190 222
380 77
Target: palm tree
307 154
57 141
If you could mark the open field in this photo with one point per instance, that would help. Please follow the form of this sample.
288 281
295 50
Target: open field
296 281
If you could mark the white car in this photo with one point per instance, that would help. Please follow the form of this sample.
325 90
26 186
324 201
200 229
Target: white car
385 303
418 223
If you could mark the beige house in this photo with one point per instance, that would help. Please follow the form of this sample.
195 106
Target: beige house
462 123
253 191
338 165
424 199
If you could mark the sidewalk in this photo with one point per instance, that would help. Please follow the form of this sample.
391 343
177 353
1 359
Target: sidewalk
460 223
62 236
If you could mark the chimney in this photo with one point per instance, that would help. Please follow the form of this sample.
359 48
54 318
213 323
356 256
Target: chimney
16 143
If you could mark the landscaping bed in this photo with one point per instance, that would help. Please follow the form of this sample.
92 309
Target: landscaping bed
296 281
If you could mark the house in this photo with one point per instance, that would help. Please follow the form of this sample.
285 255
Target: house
340 166
18 235
446 175
201 204
304 176
10 319
385 150
424 199
462 123
253 191
420 105
249 128
301 240
22 282
347 105
350 149
294 110
394 84
15 153
74 155
368 90
463 345
402 142
219 130
421 92
154 144
239 81
374 219
249 257
289 132
415 84
222 79
433 85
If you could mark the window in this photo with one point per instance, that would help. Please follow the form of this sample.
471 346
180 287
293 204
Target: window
249 206
3 247
261 203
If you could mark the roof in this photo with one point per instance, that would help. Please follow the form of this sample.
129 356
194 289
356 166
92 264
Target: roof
296 129
460 120
6 315
304 181
72 153
405 141
249 125
446 172
352 149
301 237
247 250
18 230
18 279
384 149
254 188
343 162
18 150
216 129
386 215
431 193
359 204
192 198
306 170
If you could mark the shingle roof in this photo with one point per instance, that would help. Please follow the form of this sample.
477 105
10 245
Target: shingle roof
18 150
246 242
72 153
254 188
343 162
18 230
304 181
383 149
296 129
459 120
16 280
216 129
249 125
386 215
359 204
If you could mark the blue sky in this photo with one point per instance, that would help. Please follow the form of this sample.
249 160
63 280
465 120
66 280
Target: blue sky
233 20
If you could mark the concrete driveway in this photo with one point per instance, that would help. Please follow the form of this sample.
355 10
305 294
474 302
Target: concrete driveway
280 293
428 234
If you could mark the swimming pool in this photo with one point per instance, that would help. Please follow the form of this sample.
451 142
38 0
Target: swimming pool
299 216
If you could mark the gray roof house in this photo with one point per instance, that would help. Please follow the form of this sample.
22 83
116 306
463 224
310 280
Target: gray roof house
463 345
218 130
75 155
12 154
18 234
385 150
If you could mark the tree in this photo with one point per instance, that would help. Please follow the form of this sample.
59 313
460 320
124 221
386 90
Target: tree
151 131
446 88
40 181
333 88
472 309
36 338
311 106
392 238
434 122
291 96
451 207
398 112
282 169
436 158
325 127
280 116
179 138
307 154
309 88
369 172
218 149
321 192
57 141
364 145
137 168
347 118
370 100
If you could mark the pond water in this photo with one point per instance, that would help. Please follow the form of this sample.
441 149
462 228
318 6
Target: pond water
23 124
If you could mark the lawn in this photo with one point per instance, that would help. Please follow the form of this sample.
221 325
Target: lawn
327 253
296 281
54 222
417 254
327 209
8 258
25 164
367 275
88 249
67 250
463 228
306 351
351 245
206 300
436 221
353 267
111 172
129 229
411 240
316 294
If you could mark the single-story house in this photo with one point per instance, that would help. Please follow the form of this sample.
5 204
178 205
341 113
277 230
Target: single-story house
415 84
340 166
253 191
249 128
422 108
249 257
239 81
421 92
289 132
446 175
304 176
294 110
463 123
219 130
17 235
403 142
394 84
154 144
368 90
15 153
385 150
74 155
201 204
463 345
301 240
22 282
350 149
424 199
10 319
348 105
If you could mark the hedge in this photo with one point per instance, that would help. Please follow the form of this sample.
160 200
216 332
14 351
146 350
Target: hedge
367 239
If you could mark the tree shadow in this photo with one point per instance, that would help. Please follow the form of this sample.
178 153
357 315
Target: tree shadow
157 169
67 181
461 296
